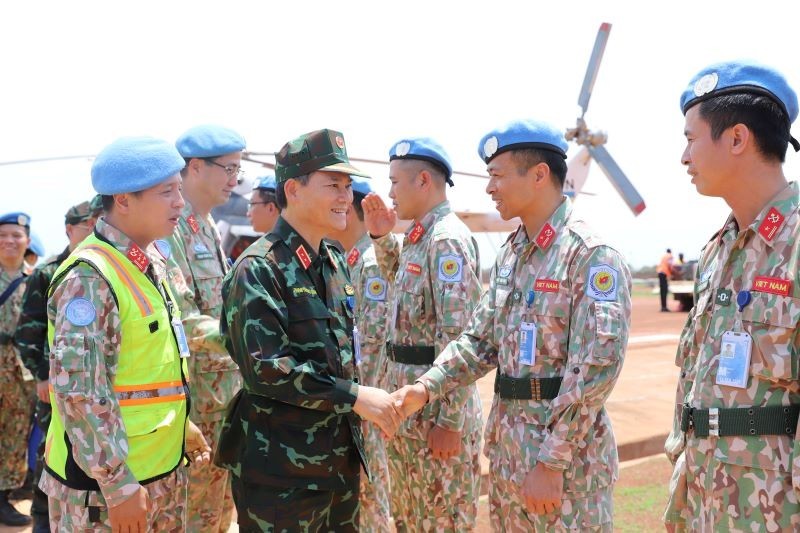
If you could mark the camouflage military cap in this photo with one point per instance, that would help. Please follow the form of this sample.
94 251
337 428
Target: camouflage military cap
318 150
84 211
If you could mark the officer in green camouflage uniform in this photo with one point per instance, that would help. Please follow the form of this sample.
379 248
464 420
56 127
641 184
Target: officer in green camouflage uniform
198 266
31 335
16 383
554 323
434 462
734 440
292 438
98 489
370 317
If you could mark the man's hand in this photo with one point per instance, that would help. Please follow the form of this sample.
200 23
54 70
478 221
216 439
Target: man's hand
130 515
378 407
43 391
197 448
542 489
378 218
444 443
410 399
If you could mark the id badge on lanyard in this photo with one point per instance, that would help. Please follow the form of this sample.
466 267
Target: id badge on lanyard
527 336
736 347
180 336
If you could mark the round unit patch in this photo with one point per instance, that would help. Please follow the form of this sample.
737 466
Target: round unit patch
450 267
504 271
375 289
80 312
602 283
163 248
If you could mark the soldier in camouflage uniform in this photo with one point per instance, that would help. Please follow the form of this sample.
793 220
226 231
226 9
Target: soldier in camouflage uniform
96 443
434 462
370 318
292 438
198 265
554 323
734 438
16 383
31 335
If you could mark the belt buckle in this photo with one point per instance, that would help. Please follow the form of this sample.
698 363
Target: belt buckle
536 389
713 422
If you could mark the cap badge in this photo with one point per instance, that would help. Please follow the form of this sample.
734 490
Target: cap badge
706 84
22 220
402 149
340 142
490 146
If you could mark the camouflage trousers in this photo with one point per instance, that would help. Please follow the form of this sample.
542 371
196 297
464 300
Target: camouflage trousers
210 503
166 511
430 494
289 510
579 512
39 504
16 404
374 497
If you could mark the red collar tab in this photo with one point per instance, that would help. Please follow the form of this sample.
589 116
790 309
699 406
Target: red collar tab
771 224
138 257
417 232
303 256
353 256
193 223
546 236
781 287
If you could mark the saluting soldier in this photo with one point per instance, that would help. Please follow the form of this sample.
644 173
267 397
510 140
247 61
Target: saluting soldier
198 266
434 461
370 321
554 323
16 383
292 438
115 447
31 335
734 439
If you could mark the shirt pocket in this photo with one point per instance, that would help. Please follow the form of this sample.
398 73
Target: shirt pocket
208 276
771 320
71 372
552 317
608 329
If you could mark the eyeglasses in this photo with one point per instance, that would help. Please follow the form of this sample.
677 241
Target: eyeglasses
230 170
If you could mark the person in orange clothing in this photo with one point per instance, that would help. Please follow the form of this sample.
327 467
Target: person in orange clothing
664 272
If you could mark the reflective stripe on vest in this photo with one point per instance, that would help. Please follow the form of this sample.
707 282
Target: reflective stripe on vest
149 384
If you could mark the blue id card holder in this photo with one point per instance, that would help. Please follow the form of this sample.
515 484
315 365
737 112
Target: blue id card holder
527 343
734 359
180 336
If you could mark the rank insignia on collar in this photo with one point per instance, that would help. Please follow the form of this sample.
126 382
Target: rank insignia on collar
546 236
417 232
193 223
138 257
771 224
353 256
303 256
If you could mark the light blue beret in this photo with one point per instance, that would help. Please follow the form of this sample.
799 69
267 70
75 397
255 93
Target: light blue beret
520 134
18 218
740 77
361 185
209 141
423 149
132 164
265 183
36 245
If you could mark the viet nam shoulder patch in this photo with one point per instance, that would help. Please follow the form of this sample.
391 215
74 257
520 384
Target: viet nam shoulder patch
450 268
375 289
602 283
80 312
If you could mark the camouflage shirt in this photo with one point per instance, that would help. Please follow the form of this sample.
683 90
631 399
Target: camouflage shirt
372 297
762 258
197 268
581 308
11 367
288 323
31 335
82 379
435 286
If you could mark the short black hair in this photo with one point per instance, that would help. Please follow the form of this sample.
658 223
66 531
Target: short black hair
761 114
267 196
280 194
526 158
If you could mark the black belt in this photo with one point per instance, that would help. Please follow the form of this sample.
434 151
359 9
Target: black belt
411 355
5 338
741 421
527 388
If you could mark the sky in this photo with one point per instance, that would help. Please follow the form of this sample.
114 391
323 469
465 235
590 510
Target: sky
76 76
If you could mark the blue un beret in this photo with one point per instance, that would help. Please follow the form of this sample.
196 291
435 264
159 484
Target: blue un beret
18 218
132 164
520 134
361 186
265 183
423 149
36 245
209 141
